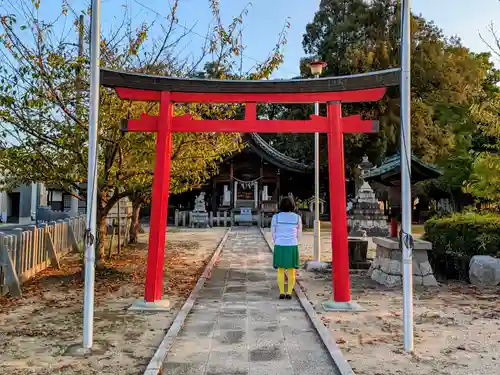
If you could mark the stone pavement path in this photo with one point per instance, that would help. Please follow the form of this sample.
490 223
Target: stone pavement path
239 327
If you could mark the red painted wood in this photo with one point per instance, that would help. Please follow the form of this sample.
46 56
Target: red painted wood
185 124
354 124
250 112
338 217
351 124
146 123
158 225
394 227
368 95
334 125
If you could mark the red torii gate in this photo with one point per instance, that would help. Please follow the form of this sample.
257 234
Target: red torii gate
168 91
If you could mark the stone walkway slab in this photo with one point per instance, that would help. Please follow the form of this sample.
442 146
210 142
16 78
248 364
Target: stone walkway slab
238 326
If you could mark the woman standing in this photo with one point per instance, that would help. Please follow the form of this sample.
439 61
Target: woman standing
286 227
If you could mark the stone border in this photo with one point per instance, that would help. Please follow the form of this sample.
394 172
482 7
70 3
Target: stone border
155 365
333 349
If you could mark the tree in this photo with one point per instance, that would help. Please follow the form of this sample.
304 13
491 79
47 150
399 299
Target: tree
44 116
448 82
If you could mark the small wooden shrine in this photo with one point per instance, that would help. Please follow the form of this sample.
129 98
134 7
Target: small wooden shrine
250 184
253 181
389 174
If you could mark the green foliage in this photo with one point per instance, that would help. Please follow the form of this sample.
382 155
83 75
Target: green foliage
452 88
458 237
484 181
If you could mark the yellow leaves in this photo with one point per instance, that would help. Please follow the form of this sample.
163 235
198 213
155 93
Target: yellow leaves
36 3
141 36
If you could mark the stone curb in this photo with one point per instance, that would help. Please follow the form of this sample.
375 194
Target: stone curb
333 349
156 363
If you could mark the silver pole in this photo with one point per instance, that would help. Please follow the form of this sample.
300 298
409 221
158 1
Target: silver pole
406 202
317 229
88 304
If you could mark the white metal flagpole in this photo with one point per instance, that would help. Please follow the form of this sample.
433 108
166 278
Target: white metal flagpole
317 225
406 202
90 241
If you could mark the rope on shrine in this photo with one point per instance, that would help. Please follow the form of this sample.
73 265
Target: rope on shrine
247 184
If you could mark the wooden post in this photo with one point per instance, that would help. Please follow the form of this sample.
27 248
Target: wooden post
159 207
41 245
51 250
338 215
278 185
73 241
261 183
231 183
11 278
17 250
214 196
33 248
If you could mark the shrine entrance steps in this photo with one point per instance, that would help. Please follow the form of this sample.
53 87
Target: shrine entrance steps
239 327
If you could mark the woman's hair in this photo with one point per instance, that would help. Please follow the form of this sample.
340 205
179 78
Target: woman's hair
287 204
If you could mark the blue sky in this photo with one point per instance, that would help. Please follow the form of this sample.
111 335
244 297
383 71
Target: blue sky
265 20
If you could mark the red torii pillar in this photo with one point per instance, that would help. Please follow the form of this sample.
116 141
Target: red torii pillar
164 124
338 214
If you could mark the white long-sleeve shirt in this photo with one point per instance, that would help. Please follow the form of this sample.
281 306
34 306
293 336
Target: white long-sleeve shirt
286 228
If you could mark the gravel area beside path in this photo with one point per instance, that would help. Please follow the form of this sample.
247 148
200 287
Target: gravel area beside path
457 326
37 330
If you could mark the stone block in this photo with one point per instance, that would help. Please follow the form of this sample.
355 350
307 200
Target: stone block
421 256
426 268
392 280
422 245
416 268
358 250
386 242
418 280
396 255
315 266
384 264
393 267
377 275
484 270
382 252
429 280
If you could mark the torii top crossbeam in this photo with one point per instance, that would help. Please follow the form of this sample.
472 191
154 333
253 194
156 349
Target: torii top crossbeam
364 87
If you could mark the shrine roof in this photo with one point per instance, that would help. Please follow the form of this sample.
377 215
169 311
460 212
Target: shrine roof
258 145
389 172
364 81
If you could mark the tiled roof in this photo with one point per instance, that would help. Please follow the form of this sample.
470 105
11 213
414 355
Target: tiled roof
393 162
273 156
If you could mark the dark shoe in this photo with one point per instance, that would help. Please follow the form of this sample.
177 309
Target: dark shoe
288 296
282 296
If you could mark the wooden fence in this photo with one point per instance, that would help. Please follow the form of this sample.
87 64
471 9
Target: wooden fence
25 252
226 219
221 219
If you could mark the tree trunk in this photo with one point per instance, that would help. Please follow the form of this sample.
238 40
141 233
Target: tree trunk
102 236
135 224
